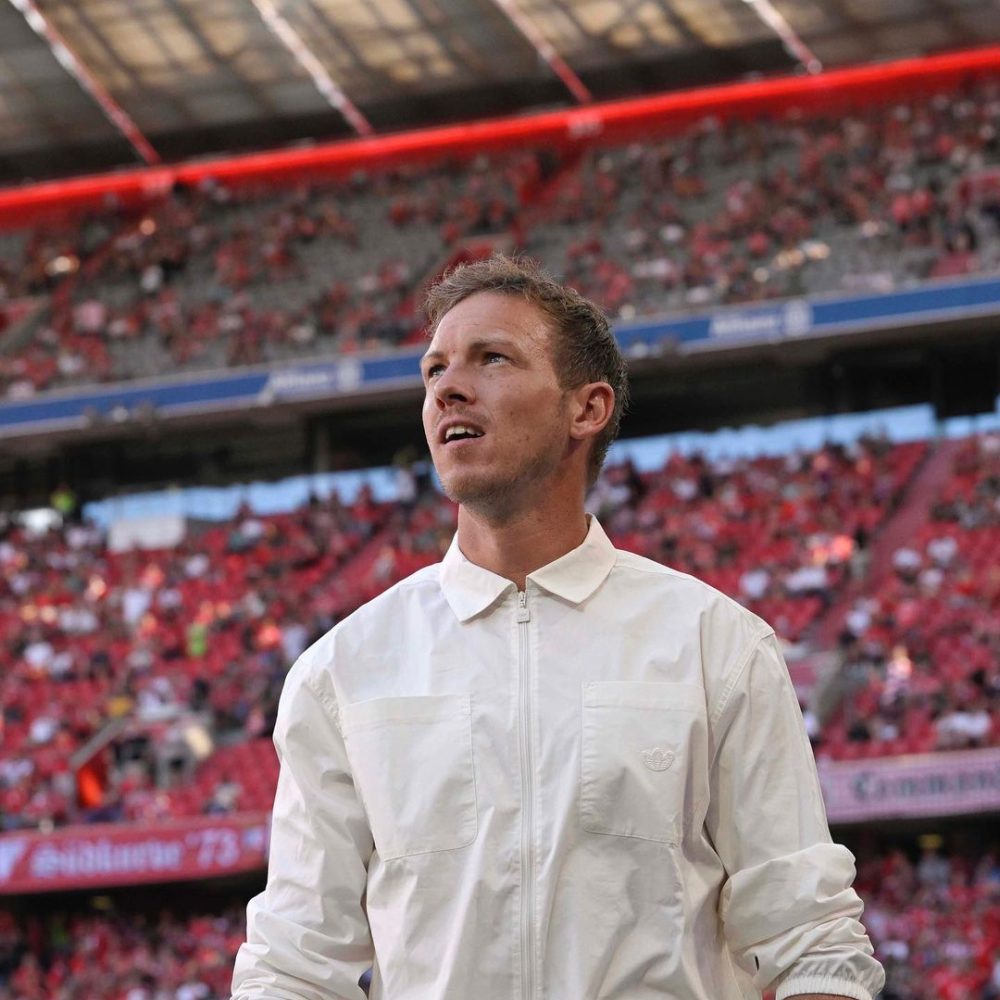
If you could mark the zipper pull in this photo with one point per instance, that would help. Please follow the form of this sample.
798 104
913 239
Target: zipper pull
523 614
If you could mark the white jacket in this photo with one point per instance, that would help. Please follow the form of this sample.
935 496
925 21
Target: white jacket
598 789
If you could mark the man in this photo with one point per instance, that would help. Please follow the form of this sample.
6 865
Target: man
545 768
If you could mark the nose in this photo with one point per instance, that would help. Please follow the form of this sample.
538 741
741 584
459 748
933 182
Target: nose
452 386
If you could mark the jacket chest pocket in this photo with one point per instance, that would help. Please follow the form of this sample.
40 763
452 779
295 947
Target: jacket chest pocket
413 767
635 767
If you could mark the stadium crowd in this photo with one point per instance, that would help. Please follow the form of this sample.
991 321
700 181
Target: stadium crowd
740 211
177 655
211 276
935 921
198 634
724 212
780 534
923 645
181 651
119 956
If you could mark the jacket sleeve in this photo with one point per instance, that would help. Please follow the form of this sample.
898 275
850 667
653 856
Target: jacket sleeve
790 916
307 932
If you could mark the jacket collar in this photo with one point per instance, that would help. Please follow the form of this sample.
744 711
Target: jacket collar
470 589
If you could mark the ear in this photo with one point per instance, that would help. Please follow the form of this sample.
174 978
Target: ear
591 407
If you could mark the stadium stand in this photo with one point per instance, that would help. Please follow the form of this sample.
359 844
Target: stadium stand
160 642
739 211
210 277
725 212
120 956
138 688
923 643
157 639
778 534
934 919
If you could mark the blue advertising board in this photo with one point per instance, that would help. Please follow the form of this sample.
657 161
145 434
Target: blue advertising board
792 319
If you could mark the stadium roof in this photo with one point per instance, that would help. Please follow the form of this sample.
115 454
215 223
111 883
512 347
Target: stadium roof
93 84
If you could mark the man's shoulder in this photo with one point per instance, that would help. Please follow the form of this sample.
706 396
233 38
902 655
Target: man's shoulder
648 573
422 585
374 623
684 598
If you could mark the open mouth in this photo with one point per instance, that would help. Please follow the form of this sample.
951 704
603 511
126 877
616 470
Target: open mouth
460 432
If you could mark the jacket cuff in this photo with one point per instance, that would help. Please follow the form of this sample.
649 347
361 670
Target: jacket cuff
833 985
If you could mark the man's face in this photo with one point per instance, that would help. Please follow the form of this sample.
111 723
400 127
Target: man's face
489 370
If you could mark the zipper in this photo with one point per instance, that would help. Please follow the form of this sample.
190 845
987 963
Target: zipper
527 808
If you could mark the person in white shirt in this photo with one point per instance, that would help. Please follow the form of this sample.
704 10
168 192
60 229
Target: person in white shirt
545 768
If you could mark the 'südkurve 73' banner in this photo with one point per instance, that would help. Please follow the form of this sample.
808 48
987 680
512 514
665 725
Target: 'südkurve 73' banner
79 857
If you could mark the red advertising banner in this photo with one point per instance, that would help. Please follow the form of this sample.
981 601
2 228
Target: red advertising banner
80 857
952 783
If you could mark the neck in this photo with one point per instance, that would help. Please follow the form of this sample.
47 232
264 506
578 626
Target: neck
523 542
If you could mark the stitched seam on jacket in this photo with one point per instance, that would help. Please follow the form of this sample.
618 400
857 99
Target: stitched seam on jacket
328 702
734 679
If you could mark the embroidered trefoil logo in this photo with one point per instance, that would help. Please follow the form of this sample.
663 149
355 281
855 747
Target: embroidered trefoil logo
657 758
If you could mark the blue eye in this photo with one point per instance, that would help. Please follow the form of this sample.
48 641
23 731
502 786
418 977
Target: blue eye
492 356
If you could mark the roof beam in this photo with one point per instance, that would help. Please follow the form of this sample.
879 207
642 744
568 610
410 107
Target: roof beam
339 36
207 45
678 23
794 45
464 54
73 65
281 28
546 50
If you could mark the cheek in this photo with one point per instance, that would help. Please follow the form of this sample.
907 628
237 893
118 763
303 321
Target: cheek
427 413
534 417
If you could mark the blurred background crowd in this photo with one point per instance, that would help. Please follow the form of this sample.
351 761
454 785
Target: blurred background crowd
141 661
